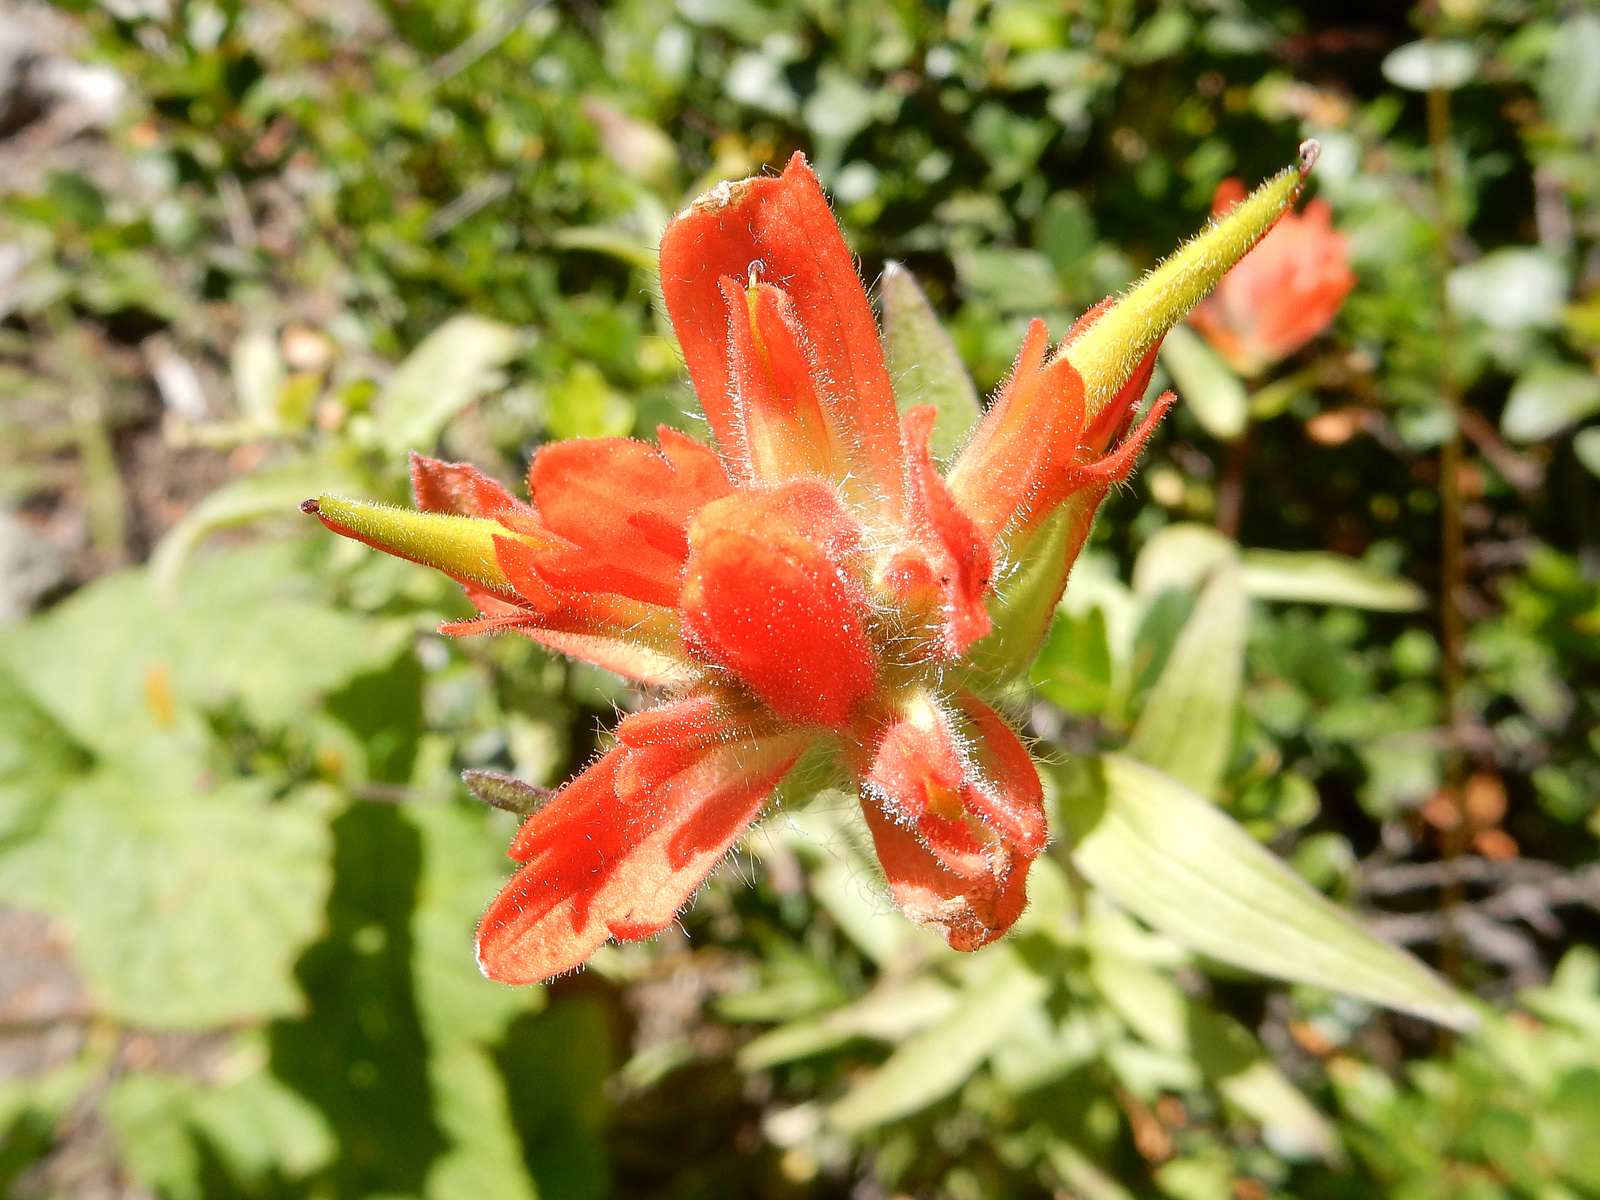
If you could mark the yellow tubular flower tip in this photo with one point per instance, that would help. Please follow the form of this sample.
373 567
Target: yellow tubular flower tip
459 546
1109 351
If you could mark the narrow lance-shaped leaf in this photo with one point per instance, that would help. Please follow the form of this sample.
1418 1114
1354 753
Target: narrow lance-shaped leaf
1209 386
934 1064
1178 863
1186 728
923 362
1316 577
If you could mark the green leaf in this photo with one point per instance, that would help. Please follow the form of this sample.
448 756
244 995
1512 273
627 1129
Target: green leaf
1422 66
185 909
1515 287
258 377
127 674
1180 556
1080 1173
932 1065
36 759
485 1157
1315 577
923 361
1547 398
256 1126
463 857
1181 865
584 405
277 491
1011 281
1570 83
1186 728
1586 445
624 246
455 364
891 1012
1073 671
555 1066
1210 387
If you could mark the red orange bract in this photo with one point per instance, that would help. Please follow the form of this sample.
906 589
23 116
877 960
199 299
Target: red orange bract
814 587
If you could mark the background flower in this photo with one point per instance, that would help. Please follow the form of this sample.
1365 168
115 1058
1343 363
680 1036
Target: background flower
1283 293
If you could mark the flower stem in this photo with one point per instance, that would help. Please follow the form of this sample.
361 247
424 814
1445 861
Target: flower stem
1452 565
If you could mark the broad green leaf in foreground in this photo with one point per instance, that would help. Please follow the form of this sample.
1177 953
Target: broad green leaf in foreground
122 671
462 1012
1186 728
923 361
184 909
455 364
1181 865
255 1127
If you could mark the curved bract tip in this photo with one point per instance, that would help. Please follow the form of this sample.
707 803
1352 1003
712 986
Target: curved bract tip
1108 352
1310 151
462 547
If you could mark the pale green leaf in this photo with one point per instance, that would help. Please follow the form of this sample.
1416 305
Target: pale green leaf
258 377
256 1126
1186 728
1316 577
1213 391
149 1113
1012 281
1586 445
1181 865
584 405
1570 84
923 361
463 857
455 365
932 1065
1180 555
1290 1124
1422 66
1080 1173
621 245
1515 287
259 1125
890 1013
1547 398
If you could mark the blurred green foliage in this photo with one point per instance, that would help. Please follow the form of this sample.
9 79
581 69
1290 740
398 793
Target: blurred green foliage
256 251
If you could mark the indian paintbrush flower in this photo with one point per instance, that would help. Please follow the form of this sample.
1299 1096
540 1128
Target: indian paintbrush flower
812 589
1282 294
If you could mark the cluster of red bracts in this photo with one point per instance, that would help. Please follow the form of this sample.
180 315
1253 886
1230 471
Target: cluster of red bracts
816 588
